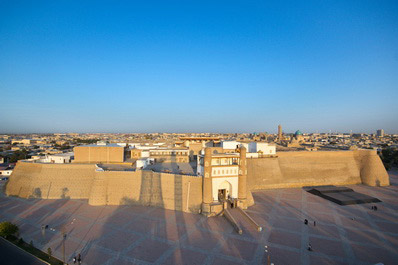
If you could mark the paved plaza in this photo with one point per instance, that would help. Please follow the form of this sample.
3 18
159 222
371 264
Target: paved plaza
120 235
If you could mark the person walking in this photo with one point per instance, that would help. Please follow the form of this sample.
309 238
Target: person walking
309 247
79 258
305 221
314 223
74 260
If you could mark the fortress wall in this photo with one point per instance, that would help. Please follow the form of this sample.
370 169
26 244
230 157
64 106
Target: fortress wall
170 191
298 169
262 173
19 183
149 188
51 181
81 181
373 172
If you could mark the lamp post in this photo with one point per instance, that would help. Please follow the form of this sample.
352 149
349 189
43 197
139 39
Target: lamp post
267 253
64 239
63 243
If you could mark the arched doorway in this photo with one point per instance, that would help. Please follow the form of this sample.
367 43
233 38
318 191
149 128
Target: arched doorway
224 189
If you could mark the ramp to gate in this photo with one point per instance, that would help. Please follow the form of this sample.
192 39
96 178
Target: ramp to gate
240 220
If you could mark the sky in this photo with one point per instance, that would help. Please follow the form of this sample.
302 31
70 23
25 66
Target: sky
198 66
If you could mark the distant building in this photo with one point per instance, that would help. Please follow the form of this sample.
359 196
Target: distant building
59 158
196 144
231 145
142 163
5 172
161 154
262 148
24 141
380 133
170 155
256 148
280 132
296 140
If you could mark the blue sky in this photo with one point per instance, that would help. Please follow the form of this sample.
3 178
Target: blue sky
200 66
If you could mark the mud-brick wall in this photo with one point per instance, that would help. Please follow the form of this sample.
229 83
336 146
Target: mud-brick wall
98 154
51 181
169 191
297 169
372 170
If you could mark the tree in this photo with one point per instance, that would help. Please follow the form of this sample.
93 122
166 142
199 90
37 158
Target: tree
389 156
8 229
36 193
18 155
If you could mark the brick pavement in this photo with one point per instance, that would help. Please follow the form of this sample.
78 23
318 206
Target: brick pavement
146 235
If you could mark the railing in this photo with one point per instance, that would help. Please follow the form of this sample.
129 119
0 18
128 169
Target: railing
232 220
251 220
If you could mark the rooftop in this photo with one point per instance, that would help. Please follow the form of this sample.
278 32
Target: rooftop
226 155
101 145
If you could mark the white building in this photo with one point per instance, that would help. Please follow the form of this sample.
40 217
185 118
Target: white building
62 158
230 144
264 148
142 163
5 173
253 148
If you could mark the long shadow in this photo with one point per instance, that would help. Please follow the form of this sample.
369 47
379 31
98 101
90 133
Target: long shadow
126 233
39 218
117 232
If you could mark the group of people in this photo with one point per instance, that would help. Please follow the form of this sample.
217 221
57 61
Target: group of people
374 208
309 248
78 259
306 222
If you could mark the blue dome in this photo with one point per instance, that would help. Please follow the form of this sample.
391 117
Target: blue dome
298 132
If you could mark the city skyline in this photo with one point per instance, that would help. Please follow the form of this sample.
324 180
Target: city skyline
199 67
271 132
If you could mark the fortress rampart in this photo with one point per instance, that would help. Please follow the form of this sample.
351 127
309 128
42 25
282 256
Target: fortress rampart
298 169
51 181
185 193
82 181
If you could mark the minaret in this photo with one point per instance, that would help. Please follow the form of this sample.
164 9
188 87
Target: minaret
207 185
279 132
242 186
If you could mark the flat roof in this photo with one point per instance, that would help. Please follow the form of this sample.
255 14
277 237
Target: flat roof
101 145
200 138
225 155
62 154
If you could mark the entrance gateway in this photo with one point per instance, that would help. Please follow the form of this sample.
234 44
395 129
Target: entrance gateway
224 179
222 195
